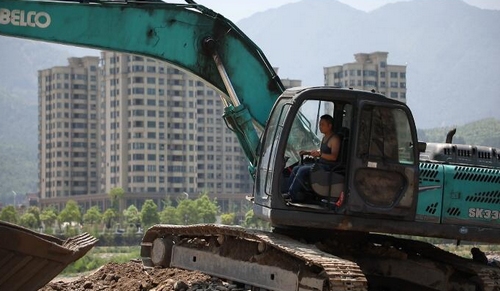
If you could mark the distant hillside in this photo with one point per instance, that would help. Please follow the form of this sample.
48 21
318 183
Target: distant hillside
484 132
19 120
18 144
450 48
21 60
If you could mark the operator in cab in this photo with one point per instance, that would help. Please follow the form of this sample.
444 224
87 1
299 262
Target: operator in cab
327 154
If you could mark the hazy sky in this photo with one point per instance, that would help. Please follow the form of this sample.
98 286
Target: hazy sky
236 10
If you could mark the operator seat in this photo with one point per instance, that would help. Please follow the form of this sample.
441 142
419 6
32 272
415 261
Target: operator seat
331 183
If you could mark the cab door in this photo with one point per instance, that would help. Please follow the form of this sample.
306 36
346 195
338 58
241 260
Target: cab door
384 165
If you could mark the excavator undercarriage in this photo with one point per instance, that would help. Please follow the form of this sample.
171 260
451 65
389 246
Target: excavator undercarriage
329 261
256 258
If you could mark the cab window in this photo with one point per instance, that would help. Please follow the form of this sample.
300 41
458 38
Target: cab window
385 134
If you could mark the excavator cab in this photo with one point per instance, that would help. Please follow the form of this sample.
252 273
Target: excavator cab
377 171
305 135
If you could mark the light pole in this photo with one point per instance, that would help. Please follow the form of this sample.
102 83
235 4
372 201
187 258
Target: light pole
15 198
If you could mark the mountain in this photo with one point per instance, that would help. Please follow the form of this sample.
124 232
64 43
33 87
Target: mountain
450 49
474 133
18 144
21 59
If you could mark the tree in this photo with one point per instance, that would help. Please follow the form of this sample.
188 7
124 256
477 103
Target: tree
250 219
200 210
170 215
149 214
29 220
187 212
93 215
36 213
48 217
132 216
108 217
207 210
71 216
9 214
116 195
253 222
70 213
228 218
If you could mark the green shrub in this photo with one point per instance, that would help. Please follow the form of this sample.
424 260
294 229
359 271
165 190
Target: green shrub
100 256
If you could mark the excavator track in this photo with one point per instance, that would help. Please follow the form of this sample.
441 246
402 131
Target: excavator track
261 255
389 263
335 261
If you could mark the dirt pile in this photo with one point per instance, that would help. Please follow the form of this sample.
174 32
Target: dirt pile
133 276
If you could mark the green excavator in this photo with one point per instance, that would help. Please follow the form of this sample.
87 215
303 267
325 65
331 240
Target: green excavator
347 234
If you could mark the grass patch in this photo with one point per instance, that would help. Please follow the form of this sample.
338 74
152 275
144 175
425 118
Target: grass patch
100 256
464 250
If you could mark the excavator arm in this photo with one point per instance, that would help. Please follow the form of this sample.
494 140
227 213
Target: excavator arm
190 36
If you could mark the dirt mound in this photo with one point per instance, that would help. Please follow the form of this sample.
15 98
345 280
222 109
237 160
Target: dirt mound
133 276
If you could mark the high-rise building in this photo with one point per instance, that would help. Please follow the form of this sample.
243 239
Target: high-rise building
160 133
164 133
289 83
68 130
370 72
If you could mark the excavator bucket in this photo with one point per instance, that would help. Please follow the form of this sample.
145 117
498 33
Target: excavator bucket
29 260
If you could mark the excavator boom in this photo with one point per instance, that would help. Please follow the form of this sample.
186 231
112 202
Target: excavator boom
186 35
174 33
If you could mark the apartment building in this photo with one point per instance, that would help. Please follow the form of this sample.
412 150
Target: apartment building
287 82
290 83
158 134
69 130
370 72
165 134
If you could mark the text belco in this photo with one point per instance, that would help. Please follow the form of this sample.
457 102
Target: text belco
18 17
